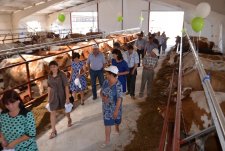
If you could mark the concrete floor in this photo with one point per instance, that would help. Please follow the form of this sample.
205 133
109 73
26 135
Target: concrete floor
87 132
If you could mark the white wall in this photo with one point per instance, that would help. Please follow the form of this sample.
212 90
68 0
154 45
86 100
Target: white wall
53 19
132 12
5 23
39 18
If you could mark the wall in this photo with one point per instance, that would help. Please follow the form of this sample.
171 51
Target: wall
5 23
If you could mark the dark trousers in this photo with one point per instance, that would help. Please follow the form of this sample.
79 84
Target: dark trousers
94 74
140 55
131 81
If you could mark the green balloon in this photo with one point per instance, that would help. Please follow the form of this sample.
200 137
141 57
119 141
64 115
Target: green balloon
197 24
61 17
120 18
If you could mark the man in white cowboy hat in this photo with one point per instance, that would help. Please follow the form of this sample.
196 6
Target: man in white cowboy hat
149 63
96 63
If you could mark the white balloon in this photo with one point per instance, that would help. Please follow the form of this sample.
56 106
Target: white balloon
203 9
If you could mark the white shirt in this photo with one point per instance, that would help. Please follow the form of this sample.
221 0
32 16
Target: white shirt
132 59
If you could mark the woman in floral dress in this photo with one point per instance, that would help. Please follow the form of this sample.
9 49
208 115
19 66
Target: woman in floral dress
78 72
111 94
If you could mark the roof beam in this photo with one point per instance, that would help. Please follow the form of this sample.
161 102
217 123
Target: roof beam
35 8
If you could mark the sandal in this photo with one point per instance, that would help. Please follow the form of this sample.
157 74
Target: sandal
53 134
69 122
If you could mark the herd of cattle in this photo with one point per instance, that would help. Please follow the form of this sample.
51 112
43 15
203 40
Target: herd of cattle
17 75
195 110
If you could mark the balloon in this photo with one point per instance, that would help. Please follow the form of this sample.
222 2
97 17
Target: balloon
141 18
203 10
61 17
120 18
197 24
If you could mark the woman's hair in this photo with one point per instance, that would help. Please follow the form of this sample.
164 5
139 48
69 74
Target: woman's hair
11 96
114 75
75 55
129 47
118 53
116 44
53 63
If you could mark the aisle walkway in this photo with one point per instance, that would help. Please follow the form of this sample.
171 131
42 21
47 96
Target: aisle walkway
87 132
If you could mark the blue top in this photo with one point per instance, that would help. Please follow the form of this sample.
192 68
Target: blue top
113 93
96 62
149 47
14 127
122 67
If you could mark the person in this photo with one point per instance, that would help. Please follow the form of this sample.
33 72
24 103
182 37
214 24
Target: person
78 71
58 94
96 63
150 45
164 42
133 61
111 94
140 45
116 45
17 124
122 66
149 63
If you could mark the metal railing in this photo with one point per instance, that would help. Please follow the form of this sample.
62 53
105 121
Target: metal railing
215 109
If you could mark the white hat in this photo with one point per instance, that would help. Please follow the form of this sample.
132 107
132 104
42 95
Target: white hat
156 51
95 46
112 69
77 82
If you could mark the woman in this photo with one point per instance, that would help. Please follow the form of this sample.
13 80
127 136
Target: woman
17 125
111 94
58 94
78 71
122 66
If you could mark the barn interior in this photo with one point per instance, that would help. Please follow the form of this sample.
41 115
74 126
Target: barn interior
44 30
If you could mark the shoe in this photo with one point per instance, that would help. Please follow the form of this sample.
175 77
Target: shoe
53 134
94 98
104 145
82 102
115 133
127 93
69 122
141 95
133 97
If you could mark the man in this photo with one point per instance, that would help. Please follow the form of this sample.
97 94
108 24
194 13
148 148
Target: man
133 61
150 45
140 45
149 63
96 63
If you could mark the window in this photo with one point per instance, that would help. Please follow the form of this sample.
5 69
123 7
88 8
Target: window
83 22
33 26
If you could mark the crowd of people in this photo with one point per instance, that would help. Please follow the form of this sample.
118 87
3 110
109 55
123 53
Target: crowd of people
120 80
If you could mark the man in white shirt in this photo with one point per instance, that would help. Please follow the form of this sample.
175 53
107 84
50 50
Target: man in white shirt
132 61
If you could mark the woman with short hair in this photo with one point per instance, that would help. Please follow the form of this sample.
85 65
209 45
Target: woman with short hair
122 67
58 94
17 125
111 94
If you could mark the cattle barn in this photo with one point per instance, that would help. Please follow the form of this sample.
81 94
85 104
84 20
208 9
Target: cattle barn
73 75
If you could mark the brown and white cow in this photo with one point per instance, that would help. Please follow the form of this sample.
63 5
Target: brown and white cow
18 75
196 113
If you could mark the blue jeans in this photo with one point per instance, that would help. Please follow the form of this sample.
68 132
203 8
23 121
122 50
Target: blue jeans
94 74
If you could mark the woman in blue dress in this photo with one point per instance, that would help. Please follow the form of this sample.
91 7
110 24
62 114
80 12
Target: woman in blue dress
122 66
17 125
78 71
111 94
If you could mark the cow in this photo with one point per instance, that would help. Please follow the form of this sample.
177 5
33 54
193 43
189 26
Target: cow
196 113
202 44
18 75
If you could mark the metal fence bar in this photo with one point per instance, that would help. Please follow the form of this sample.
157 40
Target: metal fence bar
176 136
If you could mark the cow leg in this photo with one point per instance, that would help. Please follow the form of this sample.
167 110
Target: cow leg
201 143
